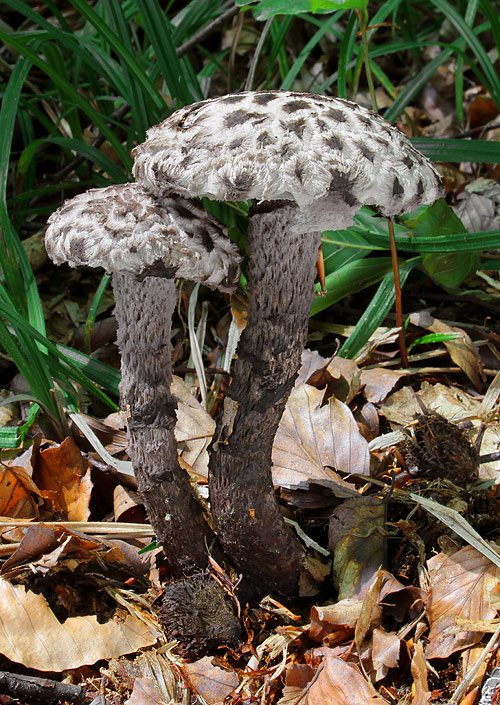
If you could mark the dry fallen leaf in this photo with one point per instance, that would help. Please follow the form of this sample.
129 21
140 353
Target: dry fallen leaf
211 682
379 382
460 584
421 693
339 620
31 634
145 692
65 473
194 428
462 350
385 652
311 437
335 683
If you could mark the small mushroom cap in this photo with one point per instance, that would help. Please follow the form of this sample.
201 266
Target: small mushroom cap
329 156
124 229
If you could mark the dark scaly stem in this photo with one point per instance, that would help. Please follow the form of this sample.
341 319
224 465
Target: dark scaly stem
247 516
144 311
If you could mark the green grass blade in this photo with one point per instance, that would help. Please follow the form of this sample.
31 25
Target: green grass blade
350 278
453 150
93 310
376 311
299 62
346 51
95 117
126 57
13 436
475 45
159 33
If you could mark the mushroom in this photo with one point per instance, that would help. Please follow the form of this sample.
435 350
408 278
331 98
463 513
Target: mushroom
310 162
146 243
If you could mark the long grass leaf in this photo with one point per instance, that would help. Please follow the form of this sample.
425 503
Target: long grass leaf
376 311
350 278
79 100
159 34
456 150
475 45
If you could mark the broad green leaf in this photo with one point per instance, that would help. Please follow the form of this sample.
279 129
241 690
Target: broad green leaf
377 310
447 269
438 219
265 9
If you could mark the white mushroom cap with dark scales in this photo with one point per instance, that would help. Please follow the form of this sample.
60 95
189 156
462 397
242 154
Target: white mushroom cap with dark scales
322 153
123 228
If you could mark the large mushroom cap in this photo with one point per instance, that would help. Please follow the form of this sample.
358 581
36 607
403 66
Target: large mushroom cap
124 229
275 145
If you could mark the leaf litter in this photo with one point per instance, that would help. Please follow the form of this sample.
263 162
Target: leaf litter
374 631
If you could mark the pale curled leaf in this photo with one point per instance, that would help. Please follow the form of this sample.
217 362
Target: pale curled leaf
422 694
311 438
31 634
386 647
194 428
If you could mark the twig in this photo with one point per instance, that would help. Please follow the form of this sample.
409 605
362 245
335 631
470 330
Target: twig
38 689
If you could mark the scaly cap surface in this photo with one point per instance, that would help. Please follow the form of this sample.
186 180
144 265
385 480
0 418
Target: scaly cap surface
330 156
124 229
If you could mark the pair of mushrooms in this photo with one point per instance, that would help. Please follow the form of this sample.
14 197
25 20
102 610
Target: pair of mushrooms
308 163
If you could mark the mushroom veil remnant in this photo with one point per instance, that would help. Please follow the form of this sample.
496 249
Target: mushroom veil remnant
146 243
309 162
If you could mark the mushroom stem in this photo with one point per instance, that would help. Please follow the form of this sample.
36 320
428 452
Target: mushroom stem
144 311
248 519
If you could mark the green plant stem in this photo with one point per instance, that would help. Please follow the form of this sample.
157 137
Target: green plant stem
398 299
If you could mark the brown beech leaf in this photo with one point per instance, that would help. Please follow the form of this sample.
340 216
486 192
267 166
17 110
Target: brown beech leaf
311 437
17 486
38 539
379 382
193 430
462 350
127 505
460 585
15 493
336 683
31 634
211 682
65 473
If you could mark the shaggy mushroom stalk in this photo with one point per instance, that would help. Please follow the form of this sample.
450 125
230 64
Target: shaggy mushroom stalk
325 158
144 312
247 514
145 243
